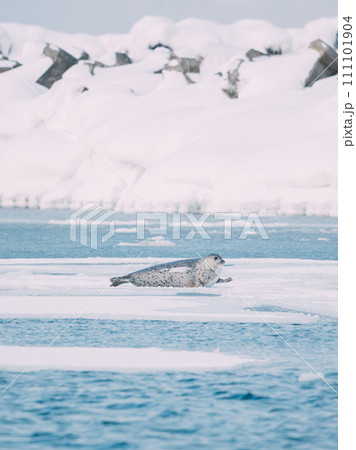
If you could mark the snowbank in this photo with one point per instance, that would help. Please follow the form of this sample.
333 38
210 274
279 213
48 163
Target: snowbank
179 146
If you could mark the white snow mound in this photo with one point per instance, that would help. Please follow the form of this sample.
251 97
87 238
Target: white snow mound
139 140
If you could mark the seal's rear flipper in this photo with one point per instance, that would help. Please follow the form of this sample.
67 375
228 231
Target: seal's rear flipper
227 280
116 281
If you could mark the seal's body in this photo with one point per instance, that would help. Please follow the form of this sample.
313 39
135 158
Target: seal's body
184 273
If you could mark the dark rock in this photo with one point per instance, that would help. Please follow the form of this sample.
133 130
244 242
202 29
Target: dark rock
188 79
94 64
51 51
231 79
325 66
122 59
8 64
183 65
160 45
252 54
84 56
272 51
54 52
62 61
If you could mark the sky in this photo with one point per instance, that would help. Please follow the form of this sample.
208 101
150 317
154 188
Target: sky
118 16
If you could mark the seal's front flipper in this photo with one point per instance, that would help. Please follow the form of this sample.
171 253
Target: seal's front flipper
227 280
116 281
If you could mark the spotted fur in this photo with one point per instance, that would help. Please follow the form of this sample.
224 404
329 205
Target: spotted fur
184 273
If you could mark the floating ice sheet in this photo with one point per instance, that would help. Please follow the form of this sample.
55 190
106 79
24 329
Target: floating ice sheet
113 359
272 290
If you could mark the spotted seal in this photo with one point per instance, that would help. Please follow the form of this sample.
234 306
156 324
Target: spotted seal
183 273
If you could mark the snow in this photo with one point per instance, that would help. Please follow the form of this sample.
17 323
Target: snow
5 43
263 290
178 146
114 359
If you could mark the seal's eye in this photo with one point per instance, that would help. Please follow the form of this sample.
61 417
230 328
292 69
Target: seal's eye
216 258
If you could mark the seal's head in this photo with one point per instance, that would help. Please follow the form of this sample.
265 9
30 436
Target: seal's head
214 260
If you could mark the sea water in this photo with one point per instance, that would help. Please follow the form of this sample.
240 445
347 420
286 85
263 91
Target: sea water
278 402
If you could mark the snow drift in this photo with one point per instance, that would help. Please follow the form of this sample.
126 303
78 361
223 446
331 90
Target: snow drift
136 137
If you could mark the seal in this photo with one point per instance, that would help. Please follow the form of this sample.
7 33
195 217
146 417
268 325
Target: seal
183 273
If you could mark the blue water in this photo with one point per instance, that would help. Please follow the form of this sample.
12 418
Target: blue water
28 234
255 406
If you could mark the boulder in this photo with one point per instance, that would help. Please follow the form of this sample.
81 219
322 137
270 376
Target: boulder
231 79
252 54
160 45
273 51
7 64
325 66
122 59
93 65
182 65
62 61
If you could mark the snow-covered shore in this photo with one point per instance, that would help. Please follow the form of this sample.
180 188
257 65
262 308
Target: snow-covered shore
180 146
